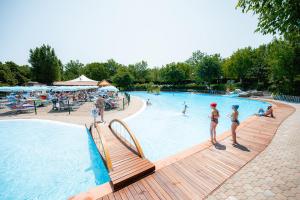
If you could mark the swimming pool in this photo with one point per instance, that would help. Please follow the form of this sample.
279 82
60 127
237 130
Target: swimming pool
163 130
47 160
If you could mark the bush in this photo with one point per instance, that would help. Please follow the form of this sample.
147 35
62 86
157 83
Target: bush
150 87
220 87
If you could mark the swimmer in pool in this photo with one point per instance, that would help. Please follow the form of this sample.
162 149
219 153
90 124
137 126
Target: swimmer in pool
185 108
148 102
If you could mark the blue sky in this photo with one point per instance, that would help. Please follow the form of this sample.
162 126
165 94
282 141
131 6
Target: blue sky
158 31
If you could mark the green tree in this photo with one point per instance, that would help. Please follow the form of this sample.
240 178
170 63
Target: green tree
260 68
275 16
196 58
21 73
112 67
173 74
239 64
6 76
209 68
72 70
96 71
139 71
187 69
13 74
46 67
123 78
155 75
280 58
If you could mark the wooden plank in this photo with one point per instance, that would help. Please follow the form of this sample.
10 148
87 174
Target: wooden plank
123 194
133 192
139 192
204 179
132 176
157 188
128 194
168 187
132 170
148 188
129 165
205 182
186 182
148 193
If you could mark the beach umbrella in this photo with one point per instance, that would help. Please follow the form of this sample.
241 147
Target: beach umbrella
109 89
104 83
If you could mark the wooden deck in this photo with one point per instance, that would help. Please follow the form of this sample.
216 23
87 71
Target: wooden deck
197 175
127 166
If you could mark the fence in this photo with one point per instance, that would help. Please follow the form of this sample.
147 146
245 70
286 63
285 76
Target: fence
288 98
125 101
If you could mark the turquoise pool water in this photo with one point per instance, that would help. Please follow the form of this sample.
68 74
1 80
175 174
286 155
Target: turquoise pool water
163 130
47 160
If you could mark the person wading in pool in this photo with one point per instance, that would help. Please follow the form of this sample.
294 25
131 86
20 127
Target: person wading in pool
184 108
214 122
234 122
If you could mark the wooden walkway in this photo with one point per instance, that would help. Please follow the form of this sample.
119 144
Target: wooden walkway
127 166
197 175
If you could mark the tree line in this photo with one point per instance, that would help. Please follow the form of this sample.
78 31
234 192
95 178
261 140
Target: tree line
273 66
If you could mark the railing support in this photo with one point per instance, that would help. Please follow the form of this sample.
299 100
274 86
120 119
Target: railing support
136 143
106 153
34 107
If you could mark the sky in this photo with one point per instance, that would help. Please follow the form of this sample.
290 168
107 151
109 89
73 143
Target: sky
157 31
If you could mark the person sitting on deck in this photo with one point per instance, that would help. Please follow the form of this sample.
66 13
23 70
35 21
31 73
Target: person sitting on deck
261 112
269 112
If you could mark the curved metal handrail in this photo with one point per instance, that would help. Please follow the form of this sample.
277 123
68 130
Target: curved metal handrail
132 136
103 149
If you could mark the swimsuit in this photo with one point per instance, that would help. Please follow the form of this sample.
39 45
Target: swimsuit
215 120
236 121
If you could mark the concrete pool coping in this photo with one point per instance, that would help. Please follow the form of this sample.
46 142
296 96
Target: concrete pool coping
105 189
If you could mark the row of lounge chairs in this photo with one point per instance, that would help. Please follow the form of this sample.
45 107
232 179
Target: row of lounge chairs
21 107
62 105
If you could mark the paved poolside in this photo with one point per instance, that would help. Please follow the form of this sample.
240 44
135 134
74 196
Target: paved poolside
273 174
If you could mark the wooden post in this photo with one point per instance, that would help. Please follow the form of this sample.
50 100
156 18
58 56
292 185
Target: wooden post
69 106
123 103
34 107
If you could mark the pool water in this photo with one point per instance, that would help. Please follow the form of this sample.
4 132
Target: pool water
47 160
163 130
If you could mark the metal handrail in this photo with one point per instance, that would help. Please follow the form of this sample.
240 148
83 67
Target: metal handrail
103 149
129 132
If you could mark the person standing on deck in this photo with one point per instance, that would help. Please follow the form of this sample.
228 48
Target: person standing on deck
100 104
214 122
234 122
